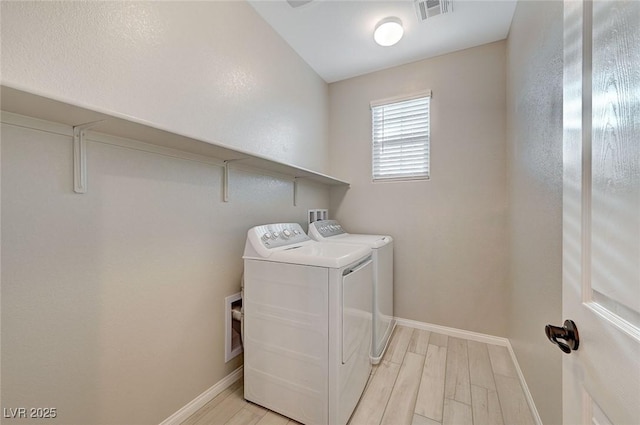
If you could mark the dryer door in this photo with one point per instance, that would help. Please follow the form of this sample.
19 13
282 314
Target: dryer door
357 301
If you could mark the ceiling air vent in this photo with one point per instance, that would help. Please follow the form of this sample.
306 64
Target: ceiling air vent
430 8
298 3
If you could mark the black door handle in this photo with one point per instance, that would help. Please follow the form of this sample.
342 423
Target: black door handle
569 333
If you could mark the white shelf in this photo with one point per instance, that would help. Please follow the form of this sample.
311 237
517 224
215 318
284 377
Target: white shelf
35 106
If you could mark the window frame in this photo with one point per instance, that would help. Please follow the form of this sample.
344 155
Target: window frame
390 101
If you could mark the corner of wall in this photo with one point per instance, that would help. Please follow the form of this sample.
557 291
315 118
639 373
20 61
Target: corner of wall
534 196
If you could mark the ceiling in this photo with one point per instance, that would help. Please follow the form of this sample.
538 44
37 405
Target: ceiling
335 37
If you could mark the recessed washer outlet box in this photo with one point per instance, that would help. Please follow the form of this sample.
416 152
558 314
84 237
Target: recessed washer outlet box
233 326
317 215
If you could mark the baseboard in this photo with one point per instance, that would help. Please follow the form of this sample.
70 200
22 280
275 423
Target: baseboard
479 337
190 408
525 388
458 333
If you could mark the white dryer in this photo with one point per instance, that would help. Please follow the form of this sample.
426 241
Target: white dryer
307 324
382 246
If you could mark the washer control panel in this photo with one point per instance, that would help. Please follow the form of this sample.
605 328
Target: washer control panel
280 234
328 228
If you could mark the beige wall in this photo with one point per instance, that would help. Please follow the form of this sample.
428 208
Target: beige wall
212 70
534 140
112 301
450 239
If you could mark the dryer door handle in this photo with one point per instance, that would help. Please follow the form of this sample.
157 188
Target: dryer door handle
357 267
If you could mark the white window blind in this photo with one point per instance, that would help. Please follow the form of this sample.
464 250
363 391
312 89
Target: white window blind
401 138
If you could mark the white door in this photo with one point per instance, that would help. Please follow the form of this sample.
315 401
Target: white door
601 211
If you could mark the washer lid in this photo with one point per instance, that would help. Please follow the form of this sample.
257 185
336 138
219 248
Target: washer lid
312 253
287 243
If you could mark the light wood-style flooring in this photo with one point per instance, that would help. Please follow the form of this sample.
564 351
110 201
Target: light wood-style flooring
425 378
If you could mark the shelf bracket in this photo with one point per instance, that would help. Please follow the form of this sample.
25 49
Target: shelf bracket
225 182
225 178
295 191
80 156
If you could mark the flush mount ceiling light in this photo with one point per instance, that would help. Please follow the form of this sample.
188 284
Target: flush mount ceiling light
388 31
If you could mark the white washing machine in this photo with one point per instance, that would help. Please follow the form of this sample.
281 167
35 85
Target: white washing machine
382 246
307 324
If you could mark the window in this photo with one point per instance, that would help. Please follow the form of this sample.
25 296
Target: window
401 138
